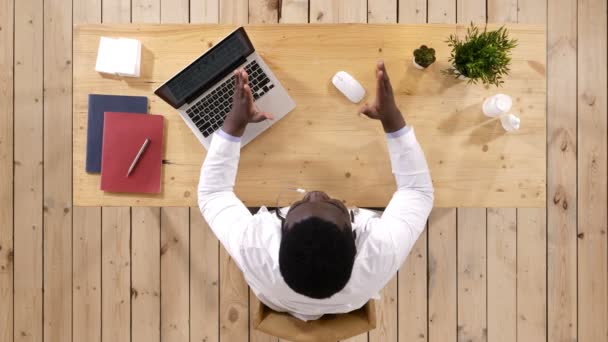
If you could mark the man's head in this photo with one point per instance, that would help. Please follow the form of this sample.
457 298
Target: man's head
317 250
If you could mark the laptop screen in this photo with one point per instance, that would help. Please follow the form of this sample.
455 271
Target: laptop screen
207 70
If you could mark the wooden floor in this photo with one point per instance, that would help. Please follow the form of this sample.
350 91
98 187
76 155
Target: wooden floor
146 274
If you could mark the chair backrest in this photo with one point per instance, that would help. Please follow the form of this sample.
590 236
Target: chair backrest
331 327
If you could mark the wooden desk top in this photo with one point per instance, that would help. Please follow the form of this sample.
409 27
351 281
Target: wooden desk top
323 144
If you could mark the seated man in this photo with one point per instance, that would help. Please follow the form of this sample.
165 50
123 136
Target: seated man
320 257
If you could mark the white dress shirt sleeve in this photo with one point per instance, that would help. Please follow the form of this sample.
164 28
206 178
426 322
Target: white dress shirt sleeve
226 215
405 216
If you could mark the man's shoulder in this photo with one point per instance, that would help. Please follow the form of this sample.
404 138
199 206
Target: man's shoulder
259 245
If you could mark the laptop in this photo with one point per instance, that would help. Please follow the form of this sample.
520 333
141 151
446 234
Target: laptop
202 92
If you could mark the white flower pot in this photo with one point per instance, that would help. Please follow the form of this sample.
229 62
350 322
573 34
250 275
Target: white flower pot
416 65
460 76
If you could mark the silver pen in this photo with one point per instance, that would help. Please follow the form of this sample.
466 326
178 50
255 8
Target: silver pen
138 156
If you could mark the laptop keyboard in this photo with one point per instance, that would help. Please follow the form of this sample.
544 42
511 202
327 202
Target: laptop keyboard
209 113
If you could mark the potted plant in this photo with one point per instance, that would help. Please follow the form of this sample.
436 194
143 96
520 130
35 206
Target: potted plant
481 56
424 57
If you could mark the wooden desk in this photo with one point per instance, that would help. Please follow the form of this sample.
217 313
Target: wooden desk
324 144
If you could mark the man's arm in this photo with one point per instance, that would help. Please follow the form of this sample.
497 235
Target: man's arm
405 216
226 215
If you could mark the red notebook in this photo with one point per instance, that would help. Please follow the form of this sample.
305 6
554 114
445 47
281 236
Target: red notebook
123 136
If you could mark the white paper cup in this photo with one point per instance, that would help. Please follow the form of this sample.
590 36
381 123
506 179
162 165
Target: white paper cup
497 105
510 122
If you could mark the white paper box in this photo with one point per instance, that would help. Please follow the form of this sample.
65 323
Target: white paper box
119 56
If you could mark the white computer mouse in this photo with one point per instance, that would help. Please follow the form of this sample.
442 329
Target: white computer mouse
348 86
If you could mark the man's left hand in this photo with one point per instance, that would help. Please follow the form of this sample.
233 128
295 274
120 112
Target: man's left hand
243 110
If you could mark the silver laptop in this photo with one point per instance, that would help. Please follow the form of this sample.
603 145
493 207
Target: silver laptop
202 92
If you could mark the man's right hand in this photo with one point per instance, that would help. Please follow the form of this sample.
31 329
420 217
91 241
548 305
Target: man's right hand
243 110
384 107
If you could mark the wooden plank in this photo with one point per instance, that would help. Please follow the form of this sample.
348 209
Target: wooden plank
338 11
322 11
561 166
412 11
463 158
175 272
234 11
116 11
472 242
592 171
145 274
234 301
412 294
532 11
441 11
234 293
116 234
472 323
175 238
291 11
204 254
28 186
6 169
532 235
204 11
115 274
354 11
442 273
175 11
294 11
146 11
442 237
260 12
531 275
387 310
503 11
502 274
382 11
502 238
87 12
57 170
264 11
471 11
86 234
204 280
86 277
145 237
412 310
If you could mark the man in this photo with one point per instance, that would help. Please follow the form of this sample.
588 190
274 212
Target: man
320 257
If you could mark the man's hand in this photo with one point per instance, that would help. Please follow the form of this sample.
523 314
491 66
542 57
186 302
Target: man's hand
243 110
384 107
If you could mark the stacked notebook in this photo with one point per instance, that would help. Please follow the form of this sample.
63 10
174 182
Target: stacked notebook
118 126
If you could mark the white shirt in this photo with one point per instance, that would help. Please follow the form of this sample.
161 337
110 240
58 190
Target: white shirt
383 241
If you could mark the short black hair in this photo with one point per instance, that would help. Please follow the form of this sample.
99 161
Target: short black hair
316 257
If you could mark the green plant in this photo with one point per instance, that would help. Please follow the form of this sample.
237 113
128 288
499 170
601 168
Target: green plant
424 56
481 56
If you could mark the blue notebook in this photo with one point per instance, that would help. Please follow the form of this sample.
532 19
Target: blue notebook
98 105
